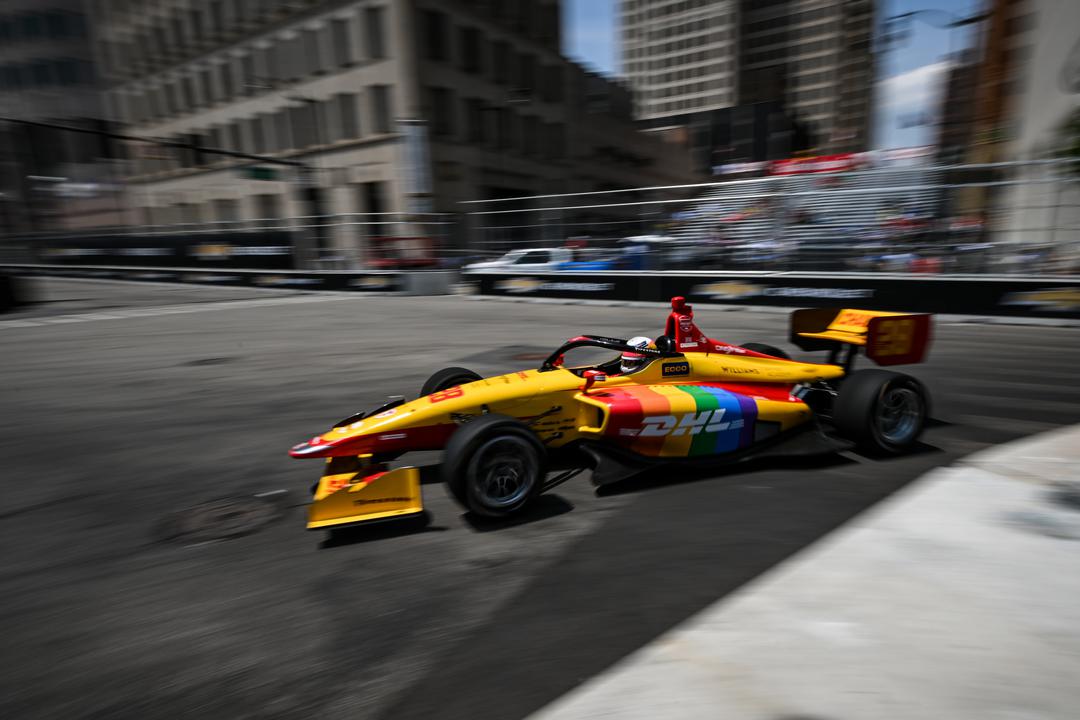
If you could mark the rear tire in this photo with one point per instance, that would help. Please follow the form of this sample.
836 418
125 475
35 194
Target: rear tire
883 412
448 378
767 350
494 465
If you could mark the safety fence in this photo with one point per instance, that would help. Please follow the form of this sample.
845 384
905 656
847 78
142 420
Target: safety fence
1007 217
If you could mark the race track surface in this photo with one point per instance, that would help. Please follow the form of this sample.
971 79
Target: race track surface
122 404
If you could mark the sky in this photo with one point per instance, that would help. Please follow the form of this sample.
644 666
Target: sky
910 75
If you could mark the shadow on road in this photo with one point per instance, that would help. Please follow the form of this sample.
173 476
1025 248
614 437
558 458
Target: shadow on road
379 531
543 508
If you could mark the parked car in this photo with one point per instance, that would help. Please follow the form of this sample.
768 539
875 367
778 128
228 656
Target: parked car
531 260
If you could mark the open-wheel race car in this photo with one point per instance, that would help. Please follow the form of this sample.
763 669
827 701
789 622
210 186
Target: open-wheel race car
685 398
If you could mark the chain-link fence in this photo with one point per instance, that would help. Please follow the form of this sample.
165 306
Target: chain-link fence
1013 217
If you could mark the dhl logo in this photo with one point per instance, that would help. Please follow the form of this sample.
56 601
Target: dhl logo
710 421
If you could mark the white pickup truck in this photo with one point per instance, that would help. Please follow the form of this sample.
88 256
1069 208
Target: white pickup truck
530 260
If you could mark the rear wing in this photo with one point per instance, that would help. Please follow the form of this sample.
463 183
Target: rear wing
889 338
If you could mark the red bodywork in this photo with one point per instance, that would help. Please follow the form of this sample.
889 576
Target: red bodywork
688 338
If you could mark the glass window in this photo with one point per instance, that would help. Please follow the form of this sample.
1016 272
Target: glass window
282 131
373 24
209 93
441 113
312 52
500 56
435 35
225 78
255 132
471 50
347 116
340 35
474 119
382 112
236 138
247 74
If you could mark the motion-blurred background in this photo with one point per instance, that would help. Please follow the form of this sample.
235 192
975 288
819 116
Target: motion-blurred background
936 136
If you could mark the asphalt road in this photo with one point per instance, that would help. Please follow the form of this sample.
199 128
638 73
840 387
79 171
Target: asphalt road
122 404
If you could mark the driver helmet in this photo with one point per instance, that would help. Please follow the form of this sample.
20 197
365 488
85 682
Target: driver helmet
631 361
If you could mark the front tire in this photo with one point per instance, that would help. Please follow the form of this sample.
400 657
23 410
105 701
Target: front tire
448 378
494 465
882 411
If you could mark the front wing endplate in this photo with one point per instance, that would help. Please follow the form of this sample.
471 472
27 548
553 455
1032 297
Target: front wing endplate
390 495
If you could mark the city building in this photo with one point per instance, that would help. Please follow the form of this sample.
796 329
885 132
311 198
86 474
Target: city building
816 57
754 80
393 107
679 57
51 179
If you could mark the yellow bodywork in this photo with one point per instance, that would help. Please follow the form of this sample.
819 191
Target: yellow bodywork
342 499
554 405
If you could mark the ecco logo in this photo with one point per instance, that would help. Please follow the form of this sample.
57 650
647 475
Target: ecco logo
676 368
693 423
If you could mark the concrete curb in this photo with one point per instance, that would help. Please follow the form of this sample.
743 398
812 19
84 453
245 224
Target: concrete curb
956 598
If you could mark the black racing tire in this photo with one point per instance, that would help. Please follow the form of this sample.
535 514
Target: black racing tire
883 412
767 350
448 378
494 465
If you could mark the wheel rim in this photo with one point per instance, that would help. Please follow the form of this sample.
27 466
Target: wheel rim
899 415
502 473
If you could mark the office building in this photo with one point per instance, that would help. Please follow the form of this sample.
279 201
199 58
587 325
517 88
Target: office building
754 79
396 106
50 179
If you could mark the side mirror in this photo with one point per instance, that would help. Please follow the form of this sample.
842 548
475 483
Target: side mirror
591 378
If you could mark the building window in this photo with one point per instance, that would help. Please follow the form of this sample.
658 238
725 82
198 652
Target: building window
292 64
474 120
505 126
267 122
312 52
553 84
225 81
268 207
471 50
435 35
340 35
381 109
441 111
188 86
530 127
255 131
500 61
243 68
207 82
526 72
282 131
236 138
373 24
347 116
304 122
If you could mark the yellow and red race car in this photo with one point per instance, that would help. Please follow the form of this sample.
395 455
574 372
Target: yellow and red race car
688 399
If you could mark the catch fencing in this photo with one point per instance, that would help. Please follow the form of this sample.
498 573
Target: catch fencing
995 218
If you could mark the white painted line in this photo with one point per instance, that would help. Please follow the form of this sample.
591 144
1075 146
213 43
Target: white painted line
136 313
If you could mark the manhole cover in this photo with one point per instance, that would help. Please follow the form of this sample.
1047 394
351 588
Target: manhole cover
219 520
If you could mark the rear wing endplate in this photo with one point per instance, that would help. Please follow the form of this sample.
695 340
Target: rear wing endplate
889 338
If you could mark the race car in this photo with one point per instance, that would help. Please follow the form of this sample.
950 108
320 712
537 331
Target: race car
687 399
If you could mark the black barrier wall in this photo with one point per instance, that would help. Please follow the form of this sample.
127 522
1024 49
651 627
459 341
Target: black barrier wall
296 280
998 295
207 251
